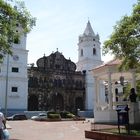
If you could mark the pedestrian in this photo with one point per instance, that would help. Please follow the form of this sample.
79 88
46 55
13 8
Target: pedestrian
133 95
2 124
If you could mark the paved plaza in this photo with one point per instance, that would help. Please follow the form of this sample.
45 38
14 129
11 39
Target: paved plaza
35 130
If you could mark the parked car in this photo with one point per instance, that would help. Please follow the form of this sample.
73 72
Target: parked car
17 117
40 117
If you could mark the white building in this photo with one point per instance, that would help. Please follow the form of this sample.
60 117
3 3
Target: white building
13 78
89 57
105 112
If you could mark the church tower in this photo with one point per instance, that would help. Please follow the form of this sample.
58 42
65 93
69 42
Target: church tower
89 56
13 78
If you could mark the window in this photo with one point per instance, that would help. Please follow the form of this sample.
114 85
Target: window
94 51
16 40
81 52
14 89
15 69
17 25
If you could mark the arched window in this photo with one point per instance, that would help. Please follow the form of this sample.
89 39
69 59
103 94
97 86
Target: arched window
81 52
94 51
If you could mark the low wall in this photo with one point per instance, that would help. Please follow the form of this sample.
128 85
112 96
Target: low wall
134 113
11 112
108 136
105 116
86 113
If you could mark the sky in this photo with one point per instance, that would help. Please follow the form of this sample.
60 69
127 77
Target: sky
60 22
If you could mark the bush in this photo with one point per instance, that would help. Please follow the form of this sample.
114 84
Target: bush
70 115
63 114
66 114
53 115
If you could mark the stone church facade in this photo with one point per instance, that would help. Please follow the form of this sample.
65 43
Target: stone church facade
54 84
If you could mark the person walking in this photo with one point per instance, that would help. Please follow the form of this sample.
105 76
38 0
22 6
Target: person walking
2 124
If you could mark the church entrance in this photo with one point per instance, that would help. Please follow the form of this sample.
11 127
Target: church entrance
32 103
58 102
79 103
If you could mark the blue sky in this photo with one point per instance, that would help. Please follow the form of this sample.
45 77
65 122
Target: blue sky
60 22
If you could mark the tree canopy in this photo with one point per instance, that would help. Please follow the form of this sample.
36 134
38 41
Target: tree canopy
12 14
124 42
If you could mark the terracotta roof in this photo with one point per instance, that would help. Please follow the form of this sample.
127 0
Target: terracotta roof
113 62
110 63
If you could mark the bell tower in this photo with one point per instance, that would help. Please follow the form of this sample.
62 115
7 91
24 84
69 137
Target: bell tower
89 56
13 77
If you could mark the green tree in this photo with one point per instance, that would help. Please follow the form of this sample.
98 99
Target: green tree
124 42
12 14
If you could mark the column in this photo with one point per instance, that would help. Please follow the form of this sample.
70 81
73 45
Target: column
110 91
96 83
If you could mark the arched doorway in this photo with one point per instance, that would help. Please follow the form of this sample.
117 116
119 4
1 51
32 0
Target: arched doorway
32 103
58 102
79 104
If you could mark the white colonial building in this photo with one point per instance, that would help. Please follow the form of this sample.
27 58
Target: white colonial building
13 78
89 57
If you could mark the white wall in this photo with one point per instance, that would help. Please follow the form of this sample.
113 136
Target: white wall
15 100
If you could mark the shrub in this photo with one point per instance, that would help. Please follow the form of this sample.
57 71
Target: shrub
66 114
70 115
54 115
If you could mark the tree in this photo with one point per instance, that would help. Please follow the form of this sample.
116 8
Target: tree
10 17
124 42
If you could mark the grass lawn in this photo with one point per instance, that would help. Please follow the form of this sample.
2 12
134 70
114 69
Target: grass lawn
123 131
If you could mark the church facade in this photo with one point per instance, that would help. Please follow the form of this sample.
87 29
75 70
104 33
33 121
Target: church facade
56 85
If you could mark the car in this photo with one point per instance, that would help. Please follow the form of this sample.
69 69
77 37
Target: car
17 117
40 117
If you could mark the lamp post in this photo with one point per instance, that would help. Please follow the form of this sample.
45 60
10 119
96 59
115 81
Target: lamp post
6 90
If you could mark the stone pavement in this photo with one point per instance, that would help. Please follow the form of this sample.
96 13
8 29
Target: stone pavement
61 130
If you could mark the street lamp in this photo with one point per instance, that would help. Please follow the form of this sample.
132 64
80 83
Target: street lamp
6 90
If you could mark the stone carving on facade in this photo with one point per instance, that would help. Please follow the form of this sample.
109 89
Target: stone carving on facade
56 85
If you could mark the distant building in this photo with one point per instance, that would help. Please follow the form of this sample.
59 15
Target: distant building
13 78
56 85
89 56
